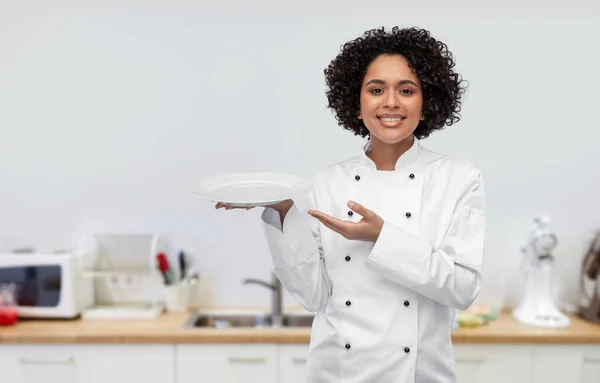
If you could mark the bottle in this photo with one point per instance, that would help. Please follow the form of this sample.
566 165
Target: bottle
8 311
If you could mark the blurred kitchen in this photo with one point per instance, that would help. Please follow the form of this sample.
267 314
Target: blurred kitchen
111 271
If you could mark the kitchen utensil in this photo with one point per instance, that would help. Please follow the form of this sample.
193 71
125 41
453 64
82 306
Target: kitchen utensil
192 277
537 307
165 268
250 189
183 265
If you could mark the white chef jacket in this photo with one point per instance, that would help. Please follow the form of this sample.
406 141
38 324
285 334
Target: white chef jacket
384 310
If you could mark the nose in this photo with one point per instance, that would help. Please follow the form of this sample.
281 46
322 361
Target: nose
391 100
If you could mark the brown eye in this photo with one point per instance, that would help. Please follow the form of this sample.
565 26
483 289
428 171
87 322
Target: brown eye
376 91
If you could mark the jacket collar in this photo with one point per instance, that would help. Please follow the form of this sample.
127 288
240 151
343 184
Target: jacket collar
405 159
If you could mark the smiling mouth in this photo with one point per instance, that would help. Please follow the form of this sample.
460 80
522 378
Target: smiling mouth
391 119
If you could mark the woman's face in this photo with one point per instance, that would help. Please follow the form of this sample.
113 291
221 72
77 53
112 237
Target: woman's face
390 99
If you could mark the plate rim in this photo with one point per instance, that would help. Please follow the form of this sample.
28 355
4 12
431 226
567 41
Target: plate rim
304 185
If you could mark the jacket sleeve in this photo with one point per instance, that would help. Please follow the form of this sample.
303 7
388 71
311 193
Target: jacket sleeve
297 255
449 274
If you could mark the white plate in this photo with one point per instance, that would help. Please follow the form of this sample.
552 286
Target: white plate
250 189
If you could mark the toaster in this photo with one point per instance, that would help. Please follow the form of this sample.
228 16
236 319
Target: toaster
46 285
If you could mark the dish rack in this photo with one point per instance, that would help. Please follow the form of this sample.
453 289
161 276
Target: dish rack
127 283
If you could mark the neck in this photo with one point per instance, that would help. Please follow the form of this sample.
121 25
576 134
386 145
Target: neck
385 155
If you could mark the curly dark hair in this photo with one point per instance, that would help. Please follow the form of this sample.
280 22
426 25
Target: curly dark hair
430 59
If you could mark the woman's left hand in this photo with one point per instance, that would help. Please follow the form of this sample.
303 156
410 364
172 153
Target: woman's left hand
367 229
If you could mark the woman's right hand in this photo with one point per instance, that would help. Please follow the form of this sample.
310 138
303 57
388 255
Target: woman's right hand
282 207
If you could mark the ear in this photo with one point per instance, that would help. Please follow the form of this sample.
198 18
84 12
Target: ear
359 115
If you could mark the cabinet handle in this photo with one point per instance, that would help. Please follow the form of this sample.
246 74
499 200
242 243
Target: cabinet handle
234 359
299 360
589 359
471 360
68 360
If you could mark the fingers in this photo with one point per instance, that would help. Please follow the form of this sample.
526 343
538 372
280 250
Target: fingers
360 209
368 228
326 219
219 205
334 228
222 206
332 223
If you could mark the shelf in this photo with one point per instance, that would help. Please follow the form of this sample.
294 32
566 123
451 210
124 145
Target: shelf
107 273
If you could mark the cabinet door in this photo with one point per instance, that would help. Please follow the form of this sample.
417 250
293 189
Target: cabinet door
292 363
493 364
239 363
145 363
87 363
566 363
37 364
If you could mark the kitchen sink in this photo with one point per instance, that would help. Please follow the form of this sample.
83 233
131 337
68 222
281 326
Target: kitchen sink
203 320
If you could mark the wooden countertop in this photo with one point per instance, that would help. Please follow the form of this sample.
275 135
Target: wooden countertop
168 329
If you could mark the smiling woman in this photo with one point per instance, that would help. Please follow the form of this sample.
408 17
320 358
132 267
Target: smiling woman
425 70
391 244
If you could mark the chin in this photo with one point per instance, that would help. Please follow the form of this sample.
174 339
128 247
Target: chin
392 136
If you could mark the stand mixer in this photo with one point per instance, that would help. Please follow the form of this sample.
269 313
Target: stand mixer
537 307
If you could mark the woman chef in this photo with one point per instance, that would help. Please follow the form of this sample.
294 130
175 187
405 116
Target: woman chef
394 241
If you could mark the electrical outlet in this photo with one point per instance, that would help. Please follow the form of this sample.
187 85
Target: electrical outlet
114 281
123 282
129 282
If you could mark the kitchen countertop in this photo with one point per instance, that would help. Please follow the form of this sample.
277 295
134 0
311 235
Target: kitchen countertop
168 329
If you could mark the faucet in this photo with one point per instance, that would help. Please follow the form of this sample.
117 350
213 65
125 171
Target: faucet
276 297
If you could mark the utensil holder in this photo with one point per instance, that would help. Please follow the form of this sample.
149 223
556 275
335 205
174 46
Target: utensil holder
177 296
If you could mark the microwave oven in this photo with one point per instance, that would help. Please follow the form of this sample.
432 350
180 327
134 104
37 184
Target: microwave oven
46 285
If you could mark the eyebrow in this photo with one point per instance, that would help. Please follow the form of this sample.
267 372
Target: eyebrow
402 82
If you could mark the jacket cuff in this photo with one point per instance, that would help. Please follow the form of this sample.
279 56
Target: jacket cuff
292 244
398 254
271 217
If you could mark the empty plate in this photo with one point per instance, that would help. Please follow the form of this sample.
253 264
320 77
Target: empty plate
250 189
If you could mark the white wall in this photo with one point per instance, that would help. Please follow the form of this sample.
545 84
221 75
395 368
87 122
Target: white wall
107 114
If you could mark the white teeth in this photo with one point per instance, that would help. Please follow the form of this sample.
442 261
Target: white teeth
391 119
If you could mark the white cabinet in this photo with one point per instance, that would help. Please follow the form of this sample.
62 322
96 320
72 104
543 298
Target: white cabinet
493 363
23 365
125 363
272 363
236 363
474 363
86 363
292 363
566 363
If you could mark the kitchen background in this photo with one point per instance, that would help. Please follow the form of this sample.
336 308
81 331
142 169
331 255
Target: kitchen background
108 113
